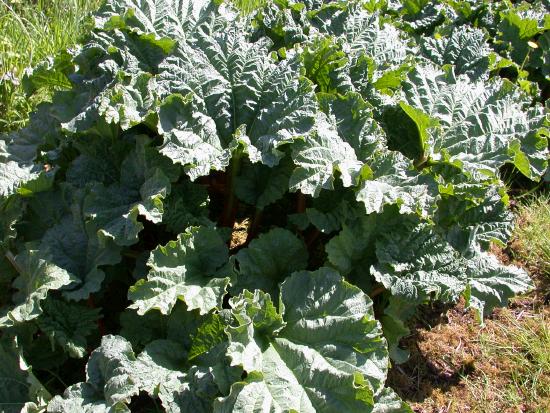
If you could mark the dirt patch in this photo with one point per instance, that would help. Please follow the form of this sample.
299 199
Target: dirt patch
453 367
440 356
448 371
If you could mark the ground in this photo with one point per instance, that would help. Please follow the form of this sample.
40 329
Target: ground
458 366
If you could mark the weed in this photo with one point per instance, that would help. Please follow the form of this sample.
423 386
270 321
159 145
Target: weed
531 243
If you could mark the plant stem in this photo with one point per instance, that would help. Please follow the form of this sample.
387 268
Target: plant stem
100 324
312 237
254 225
377 291
56 376
300 203
228 217
13 262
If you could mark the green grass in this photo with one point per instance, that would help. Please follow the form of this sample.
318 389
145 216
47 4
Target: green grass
519 350
30 31
531 242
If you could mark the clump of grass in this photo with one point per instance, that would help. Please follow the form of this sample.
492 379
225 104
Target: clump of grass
531 241
31 30
518 350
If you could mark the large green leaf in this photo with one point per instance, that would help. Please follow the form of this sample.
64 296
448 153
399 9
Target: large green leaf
191 268
145 180
329 211
83 397
179 326
259 268
126 101
193 392
243 90
395 182
389 402
75 247
352 250
175 19
367 35
19 388
416 264
14 172
37 276
190 138
68 325
474 216
514 31
320 157
353 120
481 123
325 64
394 322
491 284
114 375
19 171
465 48
321 351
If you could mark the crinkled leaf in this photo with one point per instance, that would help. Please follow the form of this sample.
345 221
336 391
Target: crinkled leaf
491 284
432 269
18 385
465 48
68 325
394 182
164 18
17 156
319 157
83 397
191 268
259 268
354 122
50 73
76 249
194 392
351 251
126 102
145 178
190 138
474 216
240 86
37 276
479 121
322 351
114 375
389 402
325 64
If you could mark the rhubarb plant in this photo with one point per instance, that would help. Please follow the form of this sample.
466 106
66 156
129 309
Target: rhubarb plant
229 212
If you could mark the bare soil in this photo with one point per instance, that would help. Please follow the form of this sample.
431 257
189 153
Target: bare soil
446 355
